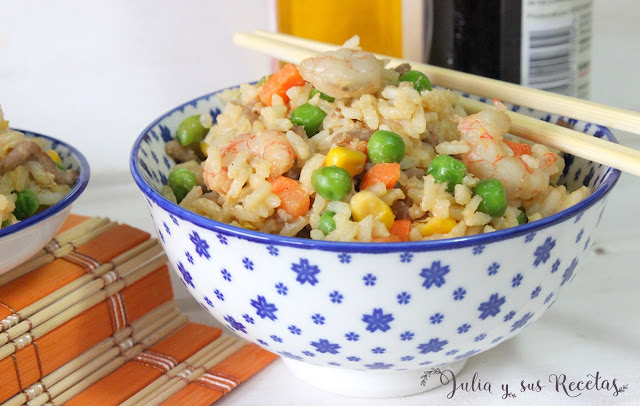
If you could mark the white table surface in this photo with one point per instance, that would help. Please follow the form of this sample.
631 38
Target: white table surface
96 75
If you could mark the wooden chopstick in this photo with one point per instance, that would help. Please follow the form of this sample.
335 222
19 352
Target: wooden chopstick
293 49
567 106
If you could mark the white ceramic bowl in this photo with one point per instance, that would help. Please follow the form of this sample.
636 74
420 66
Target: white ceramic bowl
367 319
20 241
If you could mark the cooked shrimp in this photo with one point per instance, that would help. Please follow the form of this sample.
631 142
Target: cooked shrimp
270 145
343 73
523 177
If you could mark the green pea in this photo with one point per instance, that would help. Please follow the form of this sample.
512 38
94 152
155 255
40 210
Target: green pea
309 116
181 181
420 80
60 166
26 204
327 224
494 198
322 95
385 147
331 182
522 217
263 80
447 169
191 131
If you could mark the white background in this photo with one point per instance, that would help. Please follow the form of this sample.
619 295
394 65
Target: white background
96 73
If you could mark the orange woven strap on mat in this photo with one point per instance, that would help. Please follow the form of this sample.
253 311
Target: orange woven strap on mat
147 367
37 284
49 352
222 378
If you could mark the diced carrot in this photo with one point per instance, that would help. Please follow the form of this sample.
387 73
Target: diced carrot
401 229
390 238
385 173
519 148
293 198
280 82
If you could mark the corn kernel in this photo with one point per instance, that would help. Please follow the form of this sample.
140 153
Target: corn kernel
203 147
435 225
366 203
54 155
347 159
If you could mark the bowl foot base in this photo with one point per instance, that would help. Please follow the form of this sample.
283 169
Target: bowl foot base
369 384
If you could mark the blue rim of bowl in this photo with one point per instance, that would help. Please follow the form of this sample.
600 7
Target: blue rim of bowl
74 193
356 247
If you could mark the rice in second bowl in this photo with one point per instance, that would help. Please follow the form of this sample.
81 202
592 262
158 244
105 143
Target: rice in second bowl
257 164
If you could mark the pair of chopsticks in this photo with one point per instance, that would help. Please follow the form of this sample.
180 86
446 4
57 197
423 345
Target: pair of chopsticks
294 49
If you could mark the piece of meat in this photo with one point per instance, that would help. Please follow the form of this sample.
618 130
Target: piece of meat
402 68
345 137
25 151
183 154
401 208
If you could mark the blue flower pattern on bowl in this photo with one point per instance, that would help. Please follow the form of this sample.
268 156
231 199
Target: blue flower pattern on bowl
420 304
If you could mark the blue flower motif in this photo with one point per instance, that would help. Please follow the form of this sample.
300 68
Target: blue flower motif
344 258
318 319
406 257
295 330
273 251
467 354
266 344
452 352
407 336
369 279
517 280
520 323
281 289
536 292
436 318
509 315
308 353
334 363
586 243
222 239
186 276
248 318
189 257
336 297
406 358
403 298
579 236
434 345
578 217
289 355
478 249
226 275
464 328
276 338
546 300
351 336
434 275
324 346
166 227
353 358
569 271
248 264
208 301
529 237
377 320
480 337
555 266
174 219
426 363
543 252
306 272
378 365
459 293
263 308
378 350
219 295
202 247
495 340
235 325
493 269
161 235
491 307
